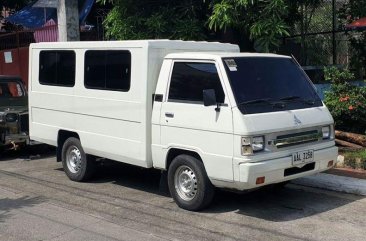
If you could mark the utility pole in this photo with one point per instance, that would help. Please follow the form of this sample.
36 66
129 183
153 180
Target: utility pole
68 20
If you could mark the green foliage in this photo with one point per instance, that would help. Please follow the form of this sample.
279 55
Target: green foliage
258 21
337 76
351 11
358 56
356 159
262 20
346 102
156 19
9 7
13 4
223 16
311 16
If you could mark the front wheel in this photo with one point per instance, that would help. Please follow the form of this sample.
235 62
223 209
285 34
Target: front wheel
77 165
188 183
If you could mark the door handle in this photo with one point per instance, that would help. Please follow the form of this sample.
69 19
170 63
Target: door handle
169 114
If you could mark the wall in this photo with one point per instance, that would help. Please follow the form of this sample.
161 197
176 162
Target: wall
19 65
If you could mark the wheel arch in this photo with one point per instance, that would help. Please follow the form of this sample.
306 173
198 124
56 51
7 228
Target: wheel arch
62 136
174 152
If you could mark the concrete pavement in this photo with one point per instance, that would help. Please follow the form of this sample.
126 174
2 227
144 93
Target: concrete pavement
334 182
29 217
38 202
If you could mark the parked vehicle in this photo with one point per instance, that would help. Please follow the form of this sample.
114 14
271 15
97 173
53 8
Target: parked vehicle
14 130
213 117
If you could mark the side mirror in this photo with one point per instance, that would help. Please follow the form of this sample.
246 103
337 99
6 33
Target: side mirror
209 97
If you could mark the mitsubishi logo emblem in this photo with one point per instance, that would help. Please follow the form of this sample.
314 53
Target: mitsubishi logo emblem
297 121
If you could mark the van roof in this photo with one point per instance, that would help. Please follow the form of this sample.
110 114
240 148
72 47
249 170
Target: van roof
160 43
215 55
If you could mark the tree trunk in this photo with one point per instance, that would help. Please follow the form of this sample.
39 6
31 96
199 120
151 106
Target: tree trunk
351 137
347 144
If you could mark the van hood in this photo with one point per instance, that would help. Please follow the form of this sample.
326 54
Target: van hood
265 123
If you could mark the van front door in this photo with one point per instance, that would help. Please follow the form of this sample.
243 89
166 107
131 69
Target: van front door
187 124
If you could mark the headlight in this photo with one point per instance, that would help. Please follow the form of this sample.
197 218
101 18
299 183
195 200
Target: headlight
11 117
249 145
326 131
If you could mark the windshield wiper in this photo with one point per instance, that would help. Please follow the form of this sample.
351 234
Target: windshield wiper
295 97
274 104
309 101
256 101
291 97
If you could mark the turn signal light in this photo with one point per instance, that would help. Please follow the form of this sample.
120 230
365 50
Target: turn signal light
260 180
330 163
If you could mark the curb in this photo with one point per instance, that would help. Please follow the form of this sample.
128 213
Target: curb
333 182
347 172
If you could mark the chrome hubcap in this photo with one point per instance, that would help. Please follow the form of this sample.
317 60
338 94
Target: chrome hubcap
73 159
185 183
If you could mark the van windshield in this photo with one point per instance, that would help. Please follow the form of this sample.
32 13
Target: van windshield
269 84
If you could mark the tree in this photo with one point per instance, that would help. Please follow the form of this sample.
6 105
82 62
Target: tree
263 21
351 11
346 102
9 7
149 19
13 5
253 24
311 16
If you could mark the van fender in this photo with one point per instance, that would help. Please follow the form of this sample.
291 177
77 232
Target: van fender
174 150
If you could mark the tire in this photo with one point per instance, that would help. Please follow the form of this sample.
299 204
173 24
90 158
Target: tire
77 165
188 183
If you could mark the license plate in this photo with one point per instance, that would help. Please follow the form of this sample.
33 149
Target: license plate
302 157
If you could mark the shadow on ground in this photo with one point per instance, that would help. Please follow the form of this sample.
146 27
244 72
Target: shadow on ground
147 180
288 204
273 204
28 153
8 204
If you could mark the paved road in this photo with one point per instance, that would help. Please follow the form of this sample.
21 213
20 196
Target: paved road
38 202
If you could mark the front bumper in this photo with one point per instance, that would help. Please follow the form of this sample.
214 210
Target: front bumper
274 170
15 139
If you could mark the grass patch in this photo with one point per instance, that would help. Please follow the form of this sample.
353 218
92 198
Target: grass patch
355 159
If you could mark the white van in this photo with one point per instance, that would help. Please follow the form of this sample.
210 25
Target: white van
213 117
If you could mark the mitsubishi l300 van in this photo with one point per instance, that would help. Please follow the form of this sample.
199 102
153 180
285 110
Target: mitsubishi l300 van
205 114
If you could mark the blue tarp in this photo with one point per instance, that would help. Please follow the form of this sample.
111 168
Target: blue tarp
34 17
85 10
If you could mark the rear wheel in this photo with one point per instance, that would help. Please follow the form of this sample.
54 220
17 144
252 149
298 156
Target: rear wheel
77 165
188 183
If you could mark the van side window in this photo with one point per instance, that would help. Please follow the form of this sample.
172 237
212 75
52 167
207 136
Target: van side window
189 79
108 70
57 68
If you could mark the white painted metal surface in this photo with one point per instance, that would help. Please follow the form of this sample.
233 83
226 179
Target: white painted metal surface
129 127
111 124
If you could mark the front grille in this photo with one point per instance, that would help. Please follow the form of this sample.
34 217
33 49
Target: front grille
297 138
24 123
11 117
2 135
296 170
